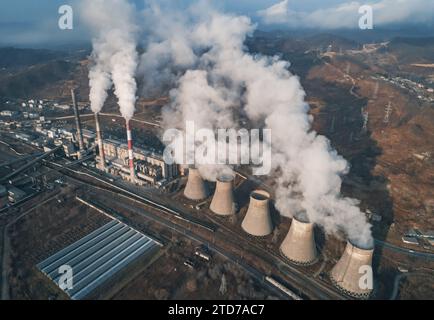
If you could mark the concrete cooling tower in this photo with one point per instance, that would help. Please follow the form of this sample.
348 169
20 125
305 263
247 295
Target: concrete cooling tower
195 188
347 273
299 245
257 221
223 200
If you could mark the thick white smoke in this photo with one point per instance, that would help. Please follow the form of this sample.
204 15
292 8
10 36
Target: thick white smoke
222 80
114 55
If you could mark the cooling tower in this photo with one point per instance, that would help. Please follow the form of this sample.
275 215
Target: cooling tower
257 221
195 188
77 122
299 245
347 273
223 200
130 152
102 164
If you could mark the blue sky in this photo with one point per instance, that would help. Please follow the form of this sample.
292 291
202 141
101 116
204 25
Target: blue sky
33 22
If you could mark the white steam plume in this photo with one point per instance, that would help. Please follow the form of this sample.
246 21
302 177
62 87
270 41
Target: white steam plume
114 55
224 81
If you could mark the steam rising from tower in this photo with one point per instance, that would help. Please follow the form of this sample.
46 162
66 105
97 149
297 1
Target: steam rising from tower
114 58
114 54
220 80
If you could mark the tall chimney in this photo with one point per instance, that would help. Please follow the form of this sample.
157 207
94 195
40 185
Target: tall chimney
257 221
299 245
77 122
130 152
195 188
223 200
102 163
348 272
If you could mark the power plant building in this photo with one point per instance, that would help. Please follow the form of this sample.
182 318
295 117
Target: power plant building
149 166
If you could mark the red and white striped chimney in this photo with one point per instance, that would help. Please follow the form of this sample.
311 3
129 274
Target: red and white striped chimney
130 152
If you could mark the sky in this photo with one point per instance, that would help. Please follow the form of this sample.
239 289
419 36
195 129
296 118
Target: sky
34 22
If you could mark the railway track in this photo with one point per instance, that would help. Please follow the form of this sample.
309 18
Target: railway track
312 288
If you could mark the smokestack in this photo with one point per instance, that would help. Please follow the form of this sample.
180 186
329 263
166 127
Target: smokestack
195 188
130 152
102 163
299 245
257 221
347 273
223 200
77 122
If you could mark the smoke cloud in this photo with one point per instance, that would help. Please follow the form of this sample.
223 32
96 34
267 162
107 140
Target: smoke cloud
114 55
346 14
221 80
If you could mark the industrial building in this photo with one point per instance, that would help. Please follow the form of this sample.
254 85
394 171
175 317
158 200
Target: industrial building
148 166
97 257
15 194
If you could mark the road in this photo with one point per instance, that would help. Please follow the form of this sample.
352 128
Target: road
409 252
259 276
306 284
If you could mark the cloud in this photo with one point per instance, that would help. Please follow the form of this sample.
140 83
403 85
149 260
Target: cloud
346 15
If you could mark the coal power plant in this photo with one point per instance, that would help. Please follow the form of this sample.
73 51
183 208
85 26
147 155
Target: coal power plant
195 188
299 245
348 271
223 202
257 221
